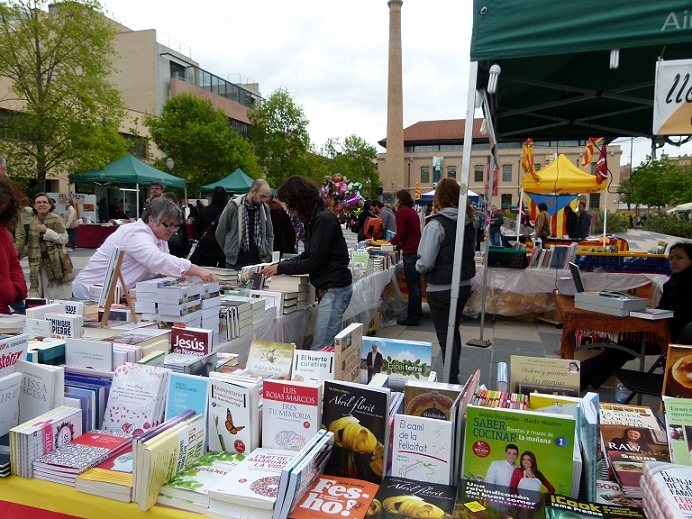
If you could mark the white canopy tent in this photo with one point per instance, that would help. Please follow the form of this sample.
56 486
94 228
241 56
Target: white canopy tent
680 208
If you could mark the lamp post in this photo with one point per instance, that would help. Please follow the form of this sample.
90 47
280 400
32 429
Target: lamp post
410 160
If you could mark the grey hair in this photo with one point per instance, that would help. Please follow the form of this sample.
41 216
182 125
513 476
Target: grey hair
161 209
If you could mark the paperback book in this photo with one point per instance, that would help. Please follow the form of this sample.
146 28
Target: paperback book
336 496
677 377
401 360
9 401
42 389
480 500
313 366
430 399
270 359
359 418
112 478
186 392
669 484
12 349
233 415
347 352
193 341
398 497
544 375
291 413
679 428
557 507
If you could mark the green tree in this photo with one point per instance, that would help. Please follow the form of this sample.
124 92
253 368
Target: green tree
279 133
67 113
355 159
657 183
201 141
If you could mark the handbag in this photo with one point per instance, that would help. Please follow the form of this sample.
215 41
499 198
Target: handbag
195 255
67 267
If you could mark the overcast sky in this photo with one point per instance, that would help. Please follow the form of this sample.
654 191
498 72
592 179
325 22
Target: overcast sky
331 56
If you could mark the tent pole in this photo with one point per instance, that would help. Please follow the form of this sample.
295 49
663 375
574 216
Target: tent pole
605 217
521 207
137 200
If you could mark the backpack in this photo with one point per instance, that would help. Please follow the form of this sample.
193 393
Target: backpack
373 228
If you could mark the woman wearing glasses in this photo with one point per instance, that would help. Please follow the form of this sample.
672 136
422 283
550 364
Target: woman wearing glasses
145 243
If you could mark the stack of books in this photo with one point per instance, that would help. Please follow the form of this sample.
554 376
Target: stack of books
665 490
236 316
191 364
210 302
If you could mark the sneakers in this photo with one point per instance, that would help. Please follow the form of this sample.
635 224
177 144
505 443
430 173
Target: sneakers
408 322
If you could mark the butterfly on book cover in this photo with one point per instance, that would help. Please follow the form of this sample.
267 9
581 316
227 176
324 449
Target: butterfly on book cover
230 427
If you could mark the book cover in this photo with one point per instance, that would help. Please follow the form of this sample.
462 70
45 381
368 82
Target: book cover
678 415
88 353
112 478
193 341
430 399
359 418
42 389
291 413
136 400
64 325
255 481
629 414
233 416
544 375
399 497
193 483
677 377
652 314
608 492
336 496
545 439
9 401
422 449
402 360
557 506
669 483
186 392
479 500
270 359
347 352
47 351
312 366
12 349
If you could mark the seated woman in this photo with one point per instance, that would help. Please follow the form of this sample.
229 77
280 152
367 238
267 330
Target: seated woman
145 243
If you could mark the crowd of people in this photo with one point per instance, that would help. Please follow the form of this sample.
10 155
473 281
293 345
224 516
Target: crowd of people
246 230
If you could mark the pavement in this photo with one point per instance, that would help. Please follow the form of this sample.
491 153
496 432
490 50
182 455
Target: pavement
507 335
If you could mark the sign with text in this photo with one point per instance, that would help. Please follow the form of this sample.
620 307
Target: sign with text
673 98
544 375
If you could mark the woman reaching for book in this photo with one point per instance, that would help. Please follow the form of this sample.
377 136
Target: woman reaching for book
528 477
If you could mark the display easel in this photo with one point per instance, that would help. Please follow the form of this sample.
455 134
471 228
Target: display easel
110 285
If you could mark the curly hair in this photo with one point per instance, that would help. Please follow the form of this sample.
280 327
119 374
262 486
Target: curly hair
11 202
446 194
302 195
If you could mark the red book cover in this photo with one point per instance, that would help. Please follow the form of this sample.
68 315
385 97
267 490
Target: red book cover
336 497
192 341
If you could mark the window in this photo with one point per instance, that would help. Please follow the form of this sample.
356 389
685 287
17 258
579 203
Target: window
506 201
478 173
506 172
537 166
594 201
593 167
425 174
452 171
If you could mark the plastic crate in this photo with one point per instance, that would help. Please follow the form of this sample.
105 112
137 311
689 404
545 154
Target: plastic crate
505 257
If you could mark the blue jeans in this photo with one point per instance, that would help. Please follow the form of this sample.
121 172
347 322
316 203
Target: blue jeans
236 266
330 312
72 236
495 239
414 311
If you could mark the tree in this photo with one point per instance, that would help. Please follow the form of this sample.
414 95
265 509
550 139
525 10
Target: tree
201 141
280 136
65 113
355 159
657 183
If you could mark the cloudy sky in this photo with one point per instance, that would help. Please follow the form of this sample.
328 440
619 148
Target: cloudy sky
330 56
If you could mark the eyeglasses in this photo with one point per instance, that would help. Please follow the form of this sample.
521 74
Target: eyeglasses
170 226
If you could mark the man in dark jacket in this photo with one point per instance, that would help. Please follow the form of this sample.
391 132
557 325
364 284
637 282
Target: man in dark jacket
407 238
210 252
325 257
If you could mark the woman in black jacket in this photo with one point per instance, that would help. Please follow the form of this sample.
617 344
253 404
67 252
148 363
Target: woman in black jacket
325 257
677 293
210 252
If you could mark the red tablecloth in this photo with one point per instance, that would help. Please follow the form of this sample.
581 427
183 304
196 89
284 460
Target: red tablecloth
92 236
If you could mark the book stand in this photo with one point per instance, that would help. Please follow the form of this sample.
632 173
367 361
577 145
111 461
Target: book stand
110 287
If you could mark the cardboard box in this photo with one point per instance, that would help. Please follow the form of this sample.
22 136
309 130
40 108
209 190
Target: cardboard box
620 306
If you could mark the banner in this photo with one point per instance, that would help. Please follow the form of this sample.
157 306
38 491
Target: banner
437 165
673 98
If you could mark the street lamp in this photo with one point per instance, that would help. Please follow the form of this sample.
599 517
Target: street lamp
410 160
170 163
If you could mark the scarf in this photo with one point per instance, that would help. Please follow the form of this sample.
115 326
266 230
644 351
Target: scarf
257 232
44 252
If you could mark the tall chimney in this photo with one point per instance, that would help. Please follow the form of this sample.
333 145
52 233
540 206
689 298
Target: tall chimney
394 166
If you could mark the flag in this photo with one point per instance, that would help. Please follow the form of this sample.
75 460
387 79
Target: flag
496 180
527 159
416 193
592 143
602 165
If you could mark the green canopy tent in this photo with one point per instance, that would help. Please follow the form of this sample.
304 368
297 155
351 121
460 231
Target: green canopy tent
128 170
237 182
567 71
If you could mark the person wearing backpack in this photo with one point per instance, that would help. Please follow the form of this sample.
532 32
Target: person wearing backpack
372 229
365 213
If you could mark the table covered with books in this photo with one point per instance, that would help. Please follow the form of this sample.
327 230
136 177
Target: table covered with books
514 292
628 328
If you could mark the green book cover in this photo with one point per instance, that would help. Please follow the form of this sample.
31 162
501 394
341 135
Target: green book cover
523 450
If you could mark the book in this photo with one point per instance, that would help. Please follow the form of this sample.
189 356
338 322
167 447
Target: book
12 349
430 399
677 376
89 353
42 389
591 443
652 314
270 359
423 449
544 375
254 482
629 414
550 439
233 415
9 401
291 413
287 283
191 364
398 497
347 352
480 500
669 483
137 399
66 462
112 478
193 341
562 506
64 325
313 366
336 496
188 489
402 360
678 418
46 350
186 392
359 418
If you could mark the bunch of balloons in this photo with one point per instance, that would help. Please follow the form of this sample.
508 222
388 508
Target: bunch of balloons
339 194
